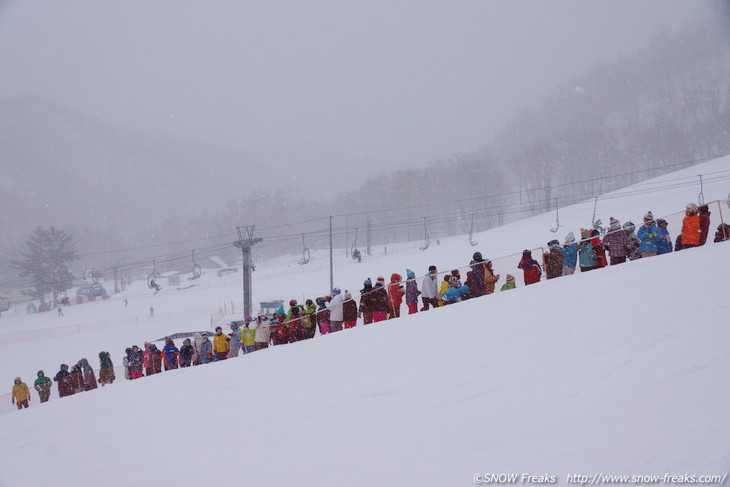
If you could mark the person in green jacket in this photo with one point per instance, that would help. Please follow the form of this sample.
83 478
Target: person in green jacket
510 284
43 386
106 371
248 337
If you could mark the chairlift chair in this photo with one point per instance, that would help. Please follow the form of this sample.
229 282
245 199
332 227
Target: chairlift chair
471 232
426 237
197 271
151 279
305 253
557 218
354 252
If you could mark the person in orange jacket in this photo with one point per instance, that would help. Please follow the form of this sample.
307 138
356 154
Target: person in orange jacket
691 231
395 295
221 344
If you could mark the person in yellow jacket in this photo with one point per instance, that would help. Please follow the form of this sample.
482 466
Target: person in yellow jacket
21 394
221 344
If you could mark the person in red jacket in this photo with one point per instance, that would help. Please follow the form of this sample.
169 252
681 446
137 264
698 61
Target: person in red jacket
530 267
395 295
599 249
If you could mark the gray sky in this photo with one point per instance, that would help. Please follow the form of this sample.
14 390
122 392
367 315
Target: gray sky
383 82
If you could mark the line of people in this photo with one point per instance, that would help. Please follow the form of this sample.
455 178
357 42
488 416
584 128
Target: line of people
339 311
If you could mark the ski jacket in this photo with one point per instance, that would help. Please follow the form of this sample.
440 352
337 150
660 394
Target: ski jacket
308 319
554 263
323 316
206 352
235 337
429 286
349 310
335 307
664 243
379 300
617 241
531 269
490 280
395 291
20 391
634 251
586 254
570 255
171 353
135 361
43 385
186 353
221 343
691 231
105 360
412 291
453 295
248 336
648 237
477 269
704 226
65 385
507 286
600 251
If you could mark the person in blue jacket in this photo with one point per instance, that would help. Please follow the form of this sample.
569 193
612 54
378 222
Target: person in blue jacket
171 355
453 295
648 236
664 243
206 351
570 254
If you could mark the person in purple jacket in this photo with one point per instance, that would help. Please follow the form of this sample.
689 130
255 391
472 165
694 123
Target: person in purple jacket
617 241
412 292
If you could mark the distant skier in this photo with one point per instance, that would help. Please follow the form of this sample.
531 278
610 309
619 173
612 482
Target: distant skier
60 311
152 312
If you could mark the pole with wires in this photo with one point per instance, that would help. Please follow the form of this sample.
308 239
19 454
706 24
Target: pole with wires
245 242
332 275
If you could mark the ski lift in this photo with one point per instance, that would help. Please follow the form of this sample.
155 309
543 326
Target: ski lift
471 233
426 238
597 223
151 279
305 253
701 197
196 270
356 254
4 304
557 218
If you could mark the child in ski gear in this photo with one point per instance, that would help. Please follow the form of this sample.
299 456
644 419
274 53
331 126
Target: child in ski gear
147 360
106 369
704 211
323 316
530 268
43 386
135 363
648 236
125 363
248 336
280 333
455 282
365 309
691 231
553 260
65 385
395 296
723 232
221 344
490 280
172 355
412 292
379 300
453 295
429 289
21 394
336 311
599 249
206 351
617 241
664 243
235 340
263 332
633 251
477 268
510 284
186 353
349 311
87 374
309 319
294 324
586 254
77 378
570 254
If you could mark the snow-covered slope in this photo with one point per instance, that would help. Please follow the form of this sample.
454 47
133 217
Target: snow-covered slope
617 371
621 371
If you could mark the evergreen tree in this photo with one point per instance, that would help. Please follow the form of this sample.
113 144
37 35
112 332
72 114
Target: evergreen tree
45 257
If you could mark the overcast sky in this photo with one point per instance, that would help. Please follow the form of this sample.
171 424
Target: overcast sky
387 82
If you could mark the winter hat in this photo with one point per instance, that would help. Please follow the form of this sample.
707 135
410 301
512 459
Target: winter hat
649 216
570 238
234 324
335 291
432 268
585 233
248 319
629 225
661 222
526 253
455 273
309 302
614 223
40 373
186 341
477 256
553 243
447 277
368 282
410 274
381 279
692 206
293 302
510 278
347 294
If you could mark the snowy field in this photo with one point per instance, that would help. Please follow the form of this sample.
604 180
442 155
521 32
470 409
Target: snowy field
619 371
